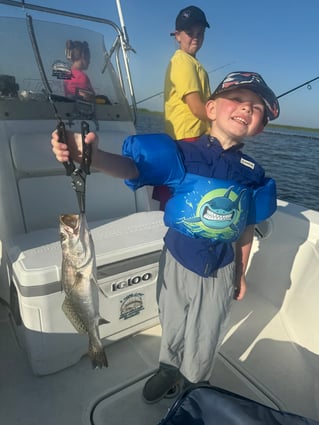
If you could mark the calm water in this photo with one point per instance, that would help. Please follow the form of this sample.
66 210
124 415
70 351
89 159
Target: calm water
291 159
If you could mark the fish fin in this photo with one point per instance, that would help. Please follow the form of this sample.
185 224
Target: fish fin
99 288
73 317
95 282
78 279
102 321
193 220
97 355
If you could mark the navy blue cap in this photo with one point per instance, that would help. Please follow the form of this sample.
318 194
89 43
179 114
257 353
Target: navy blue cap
190 16
251 81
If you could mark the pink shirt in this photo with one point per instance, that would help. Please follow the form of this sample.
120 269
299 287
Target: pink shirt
79 80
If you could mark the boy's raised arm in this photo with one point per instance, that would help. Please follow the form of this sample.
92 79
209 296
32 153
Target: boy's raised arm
114 165
106 162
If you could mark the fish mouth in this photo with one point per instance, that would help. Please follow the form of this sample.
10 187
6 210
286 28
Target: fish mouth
70 221
213 216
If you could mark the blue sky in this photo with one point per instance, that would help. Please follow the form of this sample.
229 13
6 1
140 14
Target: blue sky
277 38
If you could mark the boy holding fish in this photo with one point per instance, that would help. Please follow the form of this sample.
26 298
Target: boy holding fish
219 194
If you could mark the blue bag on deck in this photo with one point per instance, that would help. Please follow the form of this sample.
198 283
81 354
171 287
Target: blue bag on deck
207 405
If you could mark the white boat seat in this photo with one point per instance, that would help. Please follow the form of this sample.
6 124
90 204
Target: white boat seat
272 340
41 181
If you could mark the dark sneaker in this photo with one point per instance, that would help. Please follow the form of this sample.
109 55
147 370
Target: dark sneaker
174 391
163 384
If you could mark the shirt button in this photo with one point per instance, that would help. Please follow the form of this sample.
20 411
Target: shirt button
211 249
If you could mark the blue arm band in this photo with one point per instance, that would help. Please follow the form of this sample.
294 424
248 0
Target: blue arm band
157 158
263 203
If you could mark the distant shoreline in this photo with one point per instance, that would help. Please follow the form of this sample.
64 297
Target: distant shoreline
147 111
269 126
291 127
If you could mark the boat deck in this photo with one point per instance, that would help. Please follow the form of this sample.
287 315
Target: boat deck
79 394
75 395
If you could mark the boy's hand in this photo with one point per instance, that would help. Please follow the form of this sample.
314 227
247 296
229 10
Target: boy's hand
240 289
72 149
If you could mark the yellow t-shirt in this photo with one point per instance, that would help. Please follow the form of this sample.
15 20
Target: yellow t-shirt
184 75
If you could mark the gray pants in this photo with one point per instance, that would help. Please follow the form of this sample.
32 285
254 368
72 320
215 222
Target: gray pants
193 312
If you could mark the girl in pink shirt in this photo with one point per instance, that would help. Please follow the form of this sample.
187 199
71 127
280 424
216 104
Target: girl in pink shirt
79 54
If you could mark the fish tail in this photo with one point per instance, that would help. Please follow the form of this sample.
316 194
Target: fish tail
97 355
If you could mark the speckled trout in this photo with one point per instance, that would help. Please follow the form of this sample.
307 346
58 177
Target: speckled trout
79 282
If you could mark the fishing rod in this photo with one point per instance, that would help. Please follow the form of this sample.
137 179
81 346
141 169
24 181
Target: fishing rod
161 92
307 83
78 175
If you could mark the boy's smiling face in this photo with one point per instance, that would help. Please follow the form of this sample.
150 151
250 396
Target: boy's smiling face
235 114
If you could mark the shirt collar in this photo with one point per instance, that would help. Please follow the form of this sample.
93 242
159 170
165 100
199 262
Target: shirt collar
213 141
